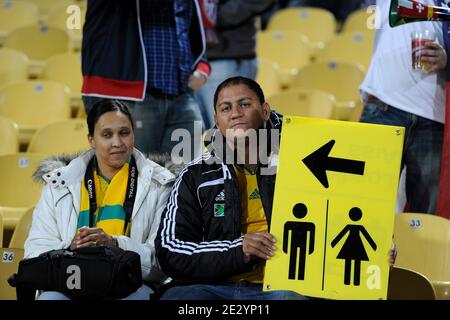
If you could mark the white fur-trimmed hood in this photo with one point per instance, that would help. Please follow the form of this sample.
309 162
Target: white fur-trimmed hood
56 162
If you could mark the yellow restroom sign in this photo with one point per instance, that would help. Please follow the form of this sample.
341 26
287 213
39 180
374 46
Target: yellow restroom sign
333 210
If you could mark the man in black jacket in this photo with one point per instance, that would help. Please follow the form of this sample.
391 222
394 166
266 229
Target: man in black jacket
214 234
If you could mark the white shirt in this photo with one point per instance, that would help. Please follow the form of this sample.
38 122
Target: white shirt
390 76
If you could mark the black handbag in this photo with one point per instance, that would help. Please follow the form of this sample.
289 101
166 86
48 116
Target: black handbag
98 272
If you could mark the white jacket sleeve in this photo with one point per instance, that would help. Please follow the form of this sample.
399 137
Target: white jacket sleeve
44 233
146 248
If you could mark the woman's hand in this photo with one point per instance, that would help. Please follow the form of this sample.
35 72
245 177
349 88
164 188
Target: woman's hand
90 237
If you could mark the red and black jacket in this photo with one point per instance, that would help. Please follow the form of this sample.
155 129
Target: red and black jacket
113 54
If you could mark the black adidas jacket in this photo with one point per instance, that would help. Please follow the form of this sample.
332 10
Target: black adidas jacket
196 240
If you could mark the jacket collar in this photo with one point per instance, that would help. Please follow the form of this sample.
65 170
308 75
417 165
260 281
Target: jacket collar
68 178
218 141
73 173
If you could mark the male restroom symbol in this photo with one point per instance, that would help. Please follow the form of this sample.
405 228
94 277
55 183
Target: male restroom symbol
301 232
353 248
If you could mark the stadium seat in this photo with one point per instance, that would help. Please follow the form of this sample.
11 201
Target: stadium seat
20 234
304 103
342 80
351 47
63 17
405 284
8 266
442 289
66 68
62 137
39 43
288 49
18 191
267 77
362 20
16 14
13 66
319 25
1 230
33 104
46 6
423 242
9 131
81 113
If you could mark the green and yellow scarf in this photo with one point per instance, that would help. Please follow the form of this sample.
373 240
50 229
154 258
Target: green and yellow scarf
110 196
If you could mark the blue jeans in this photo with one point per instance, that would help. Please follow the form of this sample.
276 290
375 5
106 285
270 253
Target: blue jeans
157 117
220 71
143 293
241 290
422 150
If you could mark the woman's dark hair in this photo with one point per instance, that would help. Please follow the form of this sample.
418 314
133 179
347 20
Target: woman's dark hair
235 81
102 107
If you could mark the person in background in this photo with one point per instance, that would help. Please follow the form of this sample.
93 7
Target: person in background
231 27
149 53
395 94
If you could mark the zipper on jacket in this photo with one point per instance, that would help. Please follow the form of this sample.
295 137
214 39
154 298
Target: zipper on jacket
236 205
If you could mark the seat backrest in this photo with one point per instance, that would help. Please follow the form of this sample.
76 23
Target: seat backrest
35 103
304 103
360 21
46 6
9 265
405 284
351 47
16 14
267 77
63 17
289 49
81 112
423 242
9 131
340 79
1 230
318 24
17 188
65 68
21 230
69 136
13 66
38 42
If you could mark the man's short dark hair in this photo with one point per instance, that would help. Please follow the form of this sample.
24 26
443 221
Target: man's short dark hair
234 81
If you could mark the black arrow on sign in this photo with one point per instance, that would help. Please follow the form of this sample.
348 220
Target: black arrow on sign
319 162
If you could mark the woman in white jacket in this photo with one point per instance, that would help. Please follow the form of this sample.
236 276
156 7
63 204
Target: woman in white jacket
83 202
